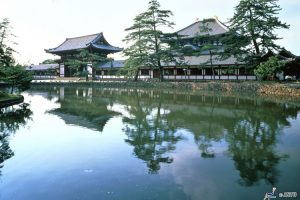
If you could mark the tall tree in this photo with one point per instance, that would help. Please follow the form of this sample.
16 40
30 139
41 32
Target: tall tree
136 52
253 30
10 73
6 51
148 46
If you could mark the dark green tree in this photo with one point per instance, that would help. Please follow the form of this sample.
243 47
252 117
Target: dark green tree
79 62
253 30
6 51
137 51
49 61
268 69
149 47
16 77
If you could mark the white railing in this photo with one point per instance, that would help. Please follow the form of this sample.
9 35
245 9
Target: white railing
36 77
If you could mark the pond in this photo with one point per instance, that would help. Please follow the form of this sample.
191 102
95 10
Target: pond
104 143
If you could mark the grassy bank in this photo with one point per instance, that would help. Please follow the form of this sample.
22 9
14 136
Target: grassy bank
244 87
9 99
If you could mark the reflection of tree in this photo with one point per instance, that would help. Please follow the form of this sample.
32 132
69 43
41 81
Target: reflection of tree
10 121
150 134
249 126
204 141
252 143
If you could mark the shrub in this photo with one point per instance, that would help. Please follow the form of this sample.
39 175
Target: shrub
268 69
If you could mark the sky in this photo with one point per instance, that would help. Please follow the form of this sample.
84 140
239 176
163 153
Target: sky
44 24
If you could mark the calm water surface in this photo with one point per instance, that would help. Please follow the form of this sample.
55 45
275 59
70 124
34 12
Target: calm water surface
92 143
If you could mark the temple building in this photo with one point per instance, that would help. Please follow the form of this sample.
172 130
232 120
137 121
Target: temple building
207 65
95 43
199 64
44 71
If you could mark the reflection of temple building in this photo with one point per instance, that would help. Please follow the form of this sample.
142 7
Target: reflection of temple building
154 120
78 108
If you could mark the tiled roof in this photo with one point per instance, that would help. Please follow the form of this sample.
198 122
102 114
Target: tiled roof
107 47
214 27
112 64
84 42
205 61
42 67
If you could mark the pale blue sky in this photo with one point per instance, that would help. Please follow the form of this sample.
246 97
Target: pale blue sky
42 24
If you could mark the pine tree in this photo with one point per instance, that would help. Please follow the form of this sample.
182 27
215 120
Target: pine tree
206 44
82 59
137 51
10 73
149 47
6 50
253 30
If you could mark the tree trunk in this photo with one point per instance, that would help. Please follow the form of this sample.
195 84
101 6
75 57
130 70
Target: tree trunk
253 33
211 64
161 74
136 74
12 89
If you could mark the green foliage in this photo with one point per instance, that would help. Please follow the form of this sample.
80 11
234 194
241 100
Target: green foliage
145 37
269 68
81 59
49 61
16 77
6 51
206 41
252 30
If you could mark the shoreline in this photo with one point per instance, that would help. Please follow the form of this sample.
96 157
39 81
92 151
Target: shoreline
10 101
246 87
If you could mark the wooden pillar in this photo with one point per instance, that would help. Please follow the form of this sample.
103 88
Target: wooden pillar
89 70
151 73
175 73
62 70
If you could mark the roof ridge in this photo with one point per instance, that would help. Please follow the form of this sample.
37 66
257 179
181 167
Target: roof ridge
84 36
223 25
188 26
199 21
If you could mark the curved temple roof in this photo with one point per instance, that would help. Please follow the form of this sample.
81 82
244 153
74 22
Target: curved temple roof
213 26
95 41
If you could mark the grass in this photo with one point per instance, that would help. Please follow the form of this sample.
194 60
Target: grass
7 97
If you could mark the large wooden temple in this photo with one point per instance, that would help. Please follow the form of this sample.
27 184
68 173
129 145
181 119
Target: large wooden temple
200 66
95 43
204 66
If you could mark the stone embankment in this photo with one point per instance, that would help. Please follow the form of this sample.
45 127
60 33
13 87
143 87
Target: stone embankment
243 87
9 101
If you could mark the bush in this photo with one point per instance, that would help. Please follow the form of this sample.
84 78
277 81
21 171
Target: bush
15 77
268 69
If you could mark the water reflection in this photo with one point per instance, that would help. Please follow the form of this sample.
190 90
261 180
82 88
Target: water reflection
252 143
11 119
77 107
149 132
154 122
